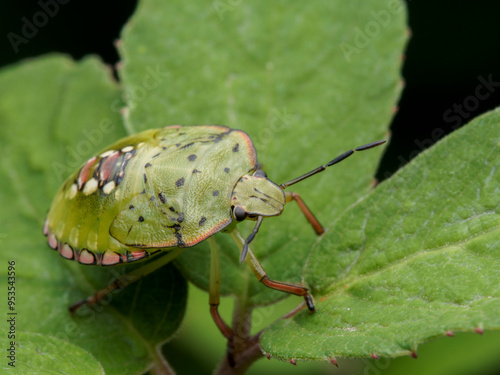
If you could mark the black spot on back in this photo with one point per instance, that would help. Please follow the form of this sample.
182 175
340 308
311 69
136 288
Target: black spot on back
215 193
162 197
188 145
192 157
176 227
226 170
131 207
179 182
196 171
236 147
202 221
141 219
180 242
180 219
148 165
171 209
145 178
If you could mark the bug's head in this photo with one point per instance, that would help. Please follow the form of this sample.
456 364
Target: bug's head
255 195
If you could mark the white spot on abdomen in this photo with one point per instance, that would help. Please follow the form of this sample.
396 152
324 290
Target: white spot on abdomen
108 188
90 186
73 235
71 193
106 154
92 241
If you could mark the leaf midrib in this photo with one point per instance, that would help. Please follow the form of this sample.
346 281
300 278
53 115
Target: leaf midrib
353 279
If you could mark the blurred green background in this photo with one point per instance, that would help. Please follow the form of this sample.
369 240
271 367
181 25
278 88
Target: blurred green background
452 44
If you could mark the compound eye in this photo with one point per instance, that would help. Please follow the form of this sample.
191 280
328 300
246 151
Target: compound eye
239 213
260 173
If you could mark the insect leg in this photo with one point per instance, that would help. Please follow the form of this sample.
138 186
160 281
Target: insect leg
290 196
214 299
128 279
262 276
214 289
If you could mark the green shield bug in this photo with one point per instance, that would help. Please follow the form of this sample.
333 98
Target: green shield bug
165 190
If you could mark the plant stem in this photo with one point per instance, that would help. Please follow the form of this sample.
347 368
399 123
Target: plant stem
243 359
246 349
242 324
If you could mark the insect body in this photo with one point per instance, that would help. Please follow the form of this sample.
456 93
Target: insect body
156 190
164 190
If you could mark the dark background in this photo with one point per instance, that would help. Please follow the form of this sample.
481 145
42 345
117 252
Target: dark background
453 43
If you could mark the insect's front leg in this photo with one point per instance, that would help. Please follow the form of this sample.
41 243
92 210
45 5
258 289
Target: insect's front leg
262 276
318 228
127 279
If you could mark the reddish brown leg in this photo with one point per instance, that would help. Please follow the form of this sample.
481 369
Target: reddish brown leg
318 228
262 276
226 331
298 290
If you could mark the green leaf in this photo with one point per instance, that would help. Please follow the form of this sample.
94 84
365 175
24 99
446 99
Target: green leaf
416 259
280 71
38 354
55 114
